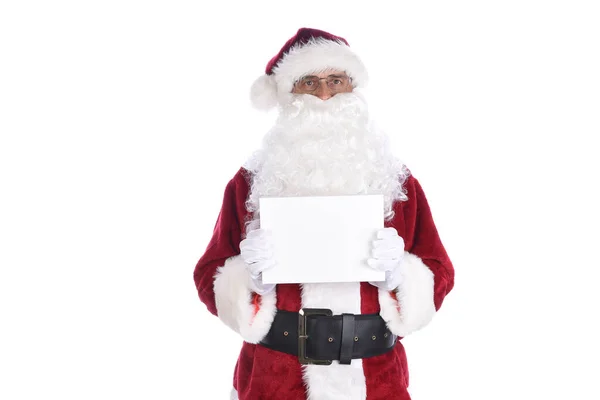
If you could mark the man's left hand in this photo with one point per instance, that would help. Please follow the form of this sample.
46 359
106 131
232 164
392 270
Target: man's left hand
387 255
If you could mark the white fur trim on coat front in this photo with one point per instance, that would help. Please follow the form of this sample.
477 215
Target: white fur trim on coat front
233 298
336 381
415 307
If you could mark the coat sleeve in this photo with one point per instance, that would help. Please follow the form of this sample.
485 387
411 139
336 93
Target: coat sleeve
221 277
427 272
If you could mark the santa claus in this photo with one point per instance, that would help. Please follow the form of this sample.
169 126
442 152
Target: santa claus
322 340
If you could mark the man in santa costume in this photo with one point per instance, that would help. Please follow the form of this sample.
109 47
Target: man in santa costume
322 340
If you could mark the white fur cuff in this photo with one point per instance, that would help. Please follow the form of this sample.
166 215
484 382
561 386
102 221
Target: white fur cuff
415 307
233 298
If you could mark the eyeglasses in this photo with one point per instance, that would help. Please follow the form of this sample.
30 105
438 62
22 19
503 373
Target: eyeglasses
335 83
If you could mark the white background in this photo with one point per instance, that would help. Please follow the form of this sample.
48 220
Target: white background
122 121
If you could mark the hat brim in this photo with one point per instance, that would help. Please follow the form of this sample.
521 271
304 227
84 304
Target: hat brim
317 55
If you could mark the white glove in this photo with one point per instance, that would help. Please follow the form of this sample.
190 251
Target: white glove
387 253
257 252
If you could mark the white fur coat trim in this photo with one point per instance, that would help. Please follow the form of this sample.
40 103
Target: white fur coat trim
336 381
415 307
233 298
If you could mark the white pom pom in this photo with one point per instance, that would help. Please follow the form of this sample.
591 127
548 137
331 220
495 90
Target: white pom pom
263 94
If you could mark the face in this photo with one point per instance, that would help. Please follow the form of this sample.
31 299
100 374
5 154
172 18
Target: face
325 84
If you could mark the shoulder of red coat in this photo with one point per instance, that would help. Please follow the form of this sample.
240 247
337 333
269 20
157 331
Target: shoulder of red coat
410 182
241 180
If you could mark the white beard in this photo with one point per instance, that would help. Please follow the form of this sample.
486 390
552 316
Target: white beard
320 148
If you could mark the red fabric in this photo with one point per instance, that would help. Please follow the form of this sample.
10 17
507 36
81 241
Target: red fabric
414 223
386 375
226 238
256 303
301 37
261 373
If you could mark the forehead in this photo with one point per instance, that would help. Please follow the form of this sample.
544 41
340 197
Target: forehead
326 72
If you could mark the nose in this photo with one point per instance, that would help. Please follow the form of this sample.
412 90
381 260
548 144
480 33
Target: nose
323 92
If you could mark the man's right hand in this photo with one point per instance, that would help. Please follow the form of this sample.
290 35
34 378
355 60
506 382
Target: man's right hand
257 252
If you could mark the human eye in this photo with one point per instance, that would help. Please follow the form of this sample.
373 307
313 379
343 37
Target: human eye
308 81
337 80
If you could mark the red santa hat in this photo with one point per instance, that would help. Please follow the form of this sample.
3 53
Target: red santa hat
308 51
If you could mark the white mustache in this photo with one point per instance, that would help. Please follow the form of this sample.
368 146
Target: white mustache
348 104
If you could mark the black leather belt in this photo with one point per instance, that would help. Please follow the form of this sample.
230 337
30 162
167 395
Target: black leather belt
318 337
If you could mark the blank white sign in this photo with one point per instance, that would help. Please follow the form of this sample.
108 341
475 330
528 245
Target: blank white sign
322 239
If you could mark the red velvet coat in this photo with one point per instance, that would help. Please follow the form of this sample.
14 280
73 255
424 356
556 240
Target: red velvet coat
222 283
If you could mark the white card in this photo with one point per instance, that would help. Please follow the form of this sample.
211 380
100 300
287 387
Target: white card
322 239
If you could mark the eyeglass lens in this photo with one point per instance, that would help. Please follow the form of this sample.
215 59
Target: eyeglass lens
334 83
